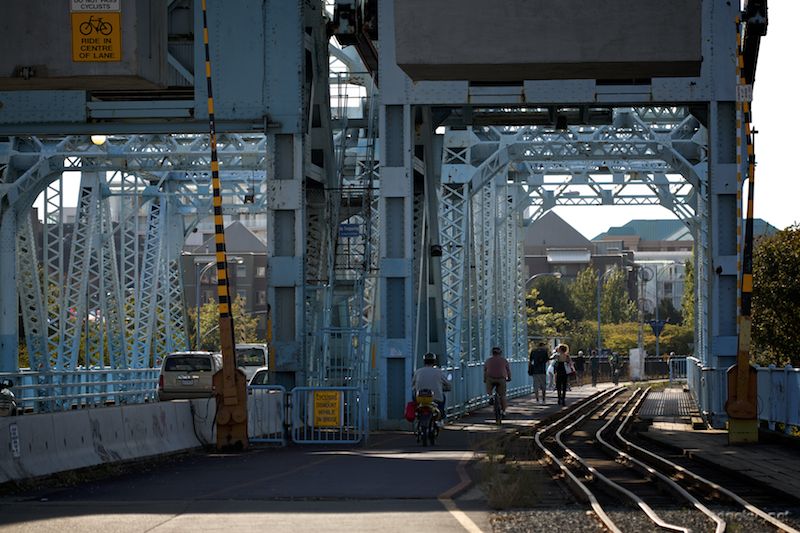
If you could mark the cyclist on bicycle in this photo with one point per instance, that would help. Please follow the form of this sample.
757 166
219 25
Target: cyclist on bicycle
432 378
496 373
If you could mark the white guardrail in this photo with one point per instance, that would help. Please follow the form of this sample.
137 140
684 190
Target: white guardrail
778 394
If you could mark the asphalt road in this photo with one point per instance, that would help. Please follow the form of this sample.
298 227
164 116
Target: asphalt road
391 484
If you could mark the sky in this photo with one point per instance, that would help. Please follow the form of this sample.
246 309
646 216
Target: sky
775 113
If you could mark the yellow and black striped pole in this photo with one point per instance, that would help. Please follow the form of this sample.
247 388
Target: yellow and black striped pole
741 405
229 383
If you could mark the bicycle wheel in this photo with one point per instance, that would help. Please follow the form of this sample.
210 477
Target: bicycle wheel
105 28
85 28
423 428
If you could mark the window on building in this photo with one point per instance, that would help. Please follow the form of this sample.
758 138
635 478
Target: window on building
241 271
261 297
261 272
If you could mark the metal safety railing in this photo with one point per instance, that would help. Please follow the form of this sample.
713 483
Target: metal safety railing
469 391
778 395
329 415
779 398
677 369
71 389
266 414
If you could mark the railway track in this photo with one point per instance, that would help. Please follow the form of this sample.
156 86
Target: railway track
631 487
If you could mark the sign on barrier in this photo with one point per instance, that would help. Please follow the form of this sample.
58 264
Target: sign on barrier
328 415
327 408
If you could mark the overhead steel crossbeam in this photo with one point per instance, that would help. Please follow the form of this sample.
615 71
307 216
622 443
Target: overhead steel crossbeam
477 153
631 187
654 156
184 158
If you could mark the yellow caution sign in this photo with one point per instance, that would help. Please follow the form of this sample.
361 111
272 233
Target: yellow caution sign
327 408
96 36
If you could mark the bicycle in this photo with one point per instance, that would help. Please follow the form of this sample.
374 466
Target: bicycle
99 25
498 413
427 413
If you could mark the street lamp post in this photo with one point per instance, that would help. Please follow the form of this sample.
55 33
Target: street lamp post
658 348
599 332
556 275
198 274
600 278
654 272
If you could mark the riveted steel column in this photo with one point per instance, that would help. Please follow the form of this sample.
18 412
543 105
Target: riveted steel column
9 340
396 256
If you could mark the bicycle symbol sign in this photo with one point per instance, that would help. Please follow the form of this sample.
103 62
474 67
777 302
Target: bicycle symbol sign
96 36
95 25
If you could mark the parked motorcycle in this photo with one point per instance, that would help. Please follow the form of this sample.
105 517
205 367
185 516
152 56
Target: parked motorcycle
428 413
8 402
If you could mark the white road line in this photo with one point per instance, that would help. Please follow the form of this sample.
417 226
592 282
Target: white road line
447 501
462 518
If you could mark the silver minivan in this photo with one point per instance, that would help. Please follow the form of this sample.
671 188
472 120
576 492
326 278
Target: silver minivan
251 357
187 375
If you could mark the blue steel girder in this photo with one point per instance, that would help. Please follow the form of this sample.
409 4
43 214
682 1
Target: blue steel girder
31 298
454 221
649 163
74 308
478 153
633 187
146 301
179 157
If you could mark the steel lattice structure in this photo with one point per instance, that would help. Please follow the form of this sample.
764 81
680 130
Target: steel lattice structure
493 174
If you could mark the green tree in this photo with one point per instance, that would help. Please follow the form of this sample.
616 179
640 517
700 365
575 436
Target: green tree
582 335
674 338
615 305
243 324
555 294
776 298
543 322
687 300
667 311
584 294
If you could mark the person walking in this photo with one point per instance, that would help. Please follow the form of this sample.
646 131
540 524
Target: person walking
594 365
580 366
562 360
613 365
537 367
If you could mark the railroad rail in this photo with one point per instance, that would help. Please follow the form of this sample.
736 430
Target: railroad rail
629 485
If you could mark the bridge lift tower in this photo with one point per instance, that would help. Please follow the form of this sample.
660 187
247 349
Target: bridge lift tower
636 91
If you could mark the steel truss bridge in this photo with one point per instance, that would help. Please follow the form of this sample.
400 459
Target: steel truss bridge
420 166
